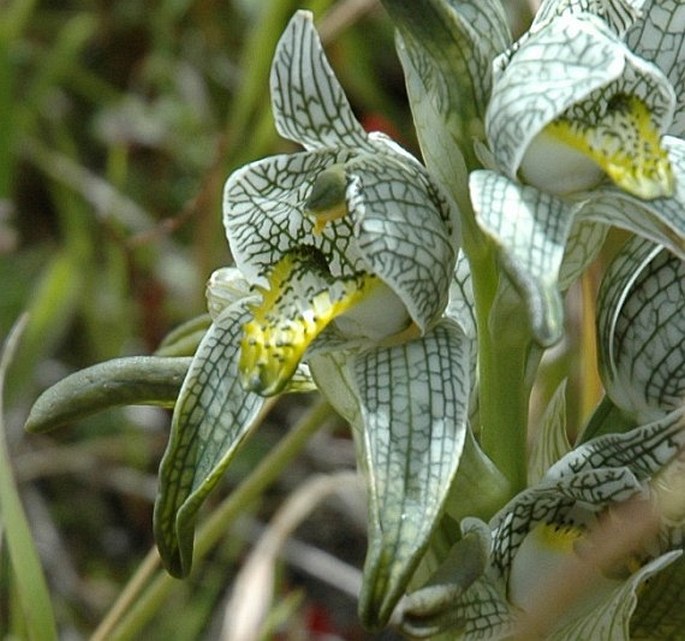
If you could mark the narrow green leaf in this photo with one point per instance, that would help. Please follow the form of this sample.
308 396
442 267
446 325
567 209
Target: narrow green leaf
31 588
212 417
137 380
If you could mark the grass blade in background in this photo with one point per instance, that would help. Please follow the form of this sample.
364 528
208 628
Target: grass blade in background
30 586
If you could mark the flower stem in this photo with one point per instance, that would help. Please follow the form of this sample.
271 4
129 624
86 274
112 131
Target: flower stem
138 603
503 342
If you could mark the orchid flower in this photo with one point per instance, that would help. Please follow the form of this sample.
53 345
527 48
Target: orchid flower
583 130
567 558
575 127
344 256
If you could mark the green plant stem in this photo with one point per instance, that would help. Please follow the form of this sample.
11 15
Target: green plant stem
502 355
137 603
504 407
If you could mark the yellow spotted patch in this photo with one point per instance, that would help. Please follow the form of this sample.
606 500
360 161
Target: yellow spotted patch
301 300
625 144
561 538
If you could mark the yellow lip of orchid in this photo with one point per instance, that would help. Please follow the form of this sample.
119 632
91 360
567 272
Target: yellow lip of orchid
301 301
625 144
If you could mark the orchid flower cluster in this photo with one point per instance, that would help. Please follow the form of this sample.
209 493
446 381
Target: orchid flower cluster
419 296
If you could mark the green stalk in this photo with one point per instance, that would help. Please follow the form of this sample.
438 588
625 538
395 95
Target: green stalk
502 356
137 603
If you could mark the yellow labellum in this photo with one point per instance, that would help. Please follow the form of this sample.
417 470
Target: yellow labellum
302 299
625 144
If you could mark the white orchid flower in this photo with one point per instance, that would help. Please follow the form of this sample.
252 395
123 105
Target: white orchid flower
344 256
583 127
567 558
576 99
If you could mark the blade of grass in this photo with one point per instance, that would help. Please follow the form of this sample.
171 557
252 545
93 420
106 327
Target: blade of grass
31 587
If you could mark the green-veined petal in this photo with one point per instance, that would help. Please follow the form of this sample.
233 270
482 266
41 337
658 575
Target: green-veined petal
446 50
414 401
582 247
301 300
531 229
460 597
551 440
225 286
461 307
212 417
579 66
641 327
644 451
660 38
620 15
660 220
623 142
309 104
404 231
265 216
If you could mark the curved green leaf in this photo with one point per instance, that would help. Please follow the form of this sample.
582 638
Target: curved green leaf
27 582
212 417
136 380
